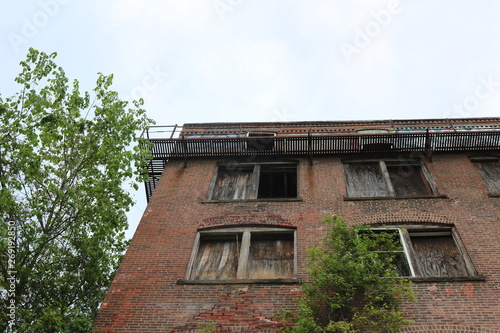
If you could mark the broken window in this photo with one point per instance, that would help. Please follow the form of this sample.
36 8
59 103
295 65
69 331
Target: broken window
428 252
254 181
210 143
243 253
387 178
489 169
375 142
260 140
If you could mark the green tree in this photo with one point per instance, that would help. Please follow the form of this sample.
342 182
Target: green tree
353 284
64 158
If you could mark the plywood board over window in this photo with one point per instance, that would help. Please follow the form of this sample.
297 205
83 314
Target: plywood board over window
387 179
243 253
271 256
235 183
489 169
217 258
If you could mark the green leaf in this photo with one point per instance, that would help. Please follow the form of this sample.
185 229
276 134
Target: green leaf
62 180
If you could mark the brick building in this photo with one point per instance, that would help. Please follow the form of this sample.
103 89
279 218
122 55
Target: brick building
224 236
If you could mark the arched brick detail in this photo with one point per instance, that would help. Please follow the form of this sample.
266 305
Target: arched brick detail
448 329
402 219
254 219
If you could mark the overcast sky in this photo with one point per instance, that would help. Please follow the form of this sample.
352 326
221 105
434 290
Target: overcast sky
268 60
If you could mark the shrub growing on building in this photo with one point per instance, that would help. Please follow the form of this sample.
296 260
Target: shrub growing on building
353 284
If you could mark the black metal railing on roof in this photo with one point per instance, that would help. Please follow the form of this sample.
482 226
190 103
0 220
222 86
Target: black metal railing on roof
310 145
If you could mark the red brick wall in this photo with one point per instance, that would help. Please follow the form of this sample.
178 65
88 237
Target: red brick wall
145 295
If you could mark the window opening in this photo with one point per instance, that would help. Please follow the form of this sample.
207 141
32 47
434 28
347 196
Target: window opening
277 181
424 253
249 253
255 181
386 178
489 169
262 140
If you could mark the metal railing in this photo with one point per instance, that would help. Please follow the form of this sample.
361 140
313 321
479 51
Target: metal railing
180 147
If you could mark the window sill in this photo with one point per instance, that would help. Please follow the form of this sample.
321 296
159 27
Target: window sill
255 200
396 197
479 278
240 281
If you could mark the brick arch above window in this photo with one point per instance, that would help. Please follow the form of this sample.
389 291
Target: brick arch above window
448 328
244 219
406 218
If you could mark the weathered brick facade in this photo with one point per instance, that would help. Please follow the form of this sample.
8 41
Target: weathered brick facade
151 292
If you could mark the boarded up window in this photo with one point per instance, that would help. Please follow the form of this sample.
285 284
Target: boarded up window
234 183
271 256
217 259
386 178
429 253
408 179
255 181
437 255
490 171
249 253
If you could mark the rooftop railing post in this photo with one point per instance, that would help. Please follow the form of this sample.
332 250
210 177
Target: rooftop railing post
428 145
185 146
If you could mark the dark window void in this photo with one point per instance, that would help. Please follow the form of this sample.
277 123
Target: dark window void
262 141
277 181
427 253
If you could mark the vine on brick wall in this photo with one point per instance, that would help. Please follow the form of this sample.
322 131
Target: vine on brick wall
353 284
